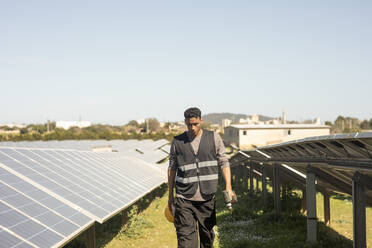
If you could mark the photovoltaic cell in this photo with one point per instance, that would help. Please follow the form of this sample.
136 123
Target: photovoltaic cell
29 201
96 185
41 189
44 175
27 228
8 240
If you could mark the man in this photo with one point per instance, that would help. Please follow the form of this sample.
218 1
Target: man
193 170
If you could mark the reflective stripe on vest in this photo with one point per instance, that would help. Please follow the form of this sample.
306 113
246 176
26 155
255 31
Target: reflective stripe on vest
201 164
195 179
208 163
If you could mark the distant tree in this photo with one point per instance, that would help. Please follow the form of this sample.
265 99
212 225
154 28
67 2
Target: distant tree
133 123
23 130
152 124
206 125
93 132
328 123
75 130
52 125
365 125
346 125
40 128
6 128
87 134
142 126
116 128
339 125
35 136
167 125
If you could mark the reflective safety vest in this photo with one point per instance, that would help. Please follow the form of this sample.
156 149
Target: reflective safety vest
200 168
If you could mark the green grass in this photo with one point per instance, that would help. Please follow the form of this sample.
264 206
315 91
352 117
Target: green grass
248 225
342 216
146 226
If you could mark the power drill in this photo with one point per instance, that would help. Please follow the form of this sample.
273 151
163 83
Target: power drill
229 199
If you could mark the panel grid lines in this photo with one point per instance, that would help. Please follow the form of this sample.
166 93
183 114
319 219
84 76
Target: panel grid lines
73 180
33 201
61 186
50 195
10 239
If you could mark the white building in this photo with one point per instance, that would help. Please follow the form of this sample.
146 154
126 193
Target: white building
253 119
225 123
69 124
247 136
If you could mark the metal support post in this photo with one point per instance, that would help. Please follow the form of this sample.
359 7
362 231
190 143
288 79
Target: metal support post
236 178
90 235
245 178
327 209
359 212
251 186
264 189
311 206
241 176
124 217
276 189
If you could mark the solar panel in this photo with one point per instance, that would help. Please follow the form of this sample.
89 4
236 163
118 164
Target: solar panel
38 195
166 148
27 200
85 179
28 228
9 240
336 158
48 196
131 172
127 147
51 177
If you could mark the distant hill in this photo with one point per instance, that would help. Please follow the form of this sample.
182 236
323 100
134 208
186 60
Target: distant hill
216 118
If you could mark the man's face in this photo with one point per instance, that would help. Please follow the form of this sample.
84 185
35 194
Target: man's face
193 125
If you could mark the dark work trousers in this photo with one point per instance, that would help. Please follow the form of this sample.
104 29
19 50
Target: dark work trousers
190 213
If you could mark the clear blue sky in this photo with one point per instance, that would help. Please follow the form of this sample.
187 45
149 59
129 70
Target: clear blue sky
114 61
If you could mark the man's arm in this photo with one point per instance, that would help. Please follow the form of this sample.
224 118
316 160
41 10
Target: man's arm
171 175
227 176
223 161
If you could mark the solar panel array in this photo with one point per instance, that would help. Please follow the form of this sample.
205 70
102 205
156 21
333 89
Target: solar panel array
288 175
148 150
48 195
339 163
335 157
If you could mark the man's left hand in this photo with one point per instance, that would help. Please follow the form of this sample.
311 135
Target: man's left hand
232 195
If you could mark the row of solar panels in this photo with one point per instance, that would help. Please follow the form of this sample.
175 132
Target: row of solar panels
49 196
147 150
335 158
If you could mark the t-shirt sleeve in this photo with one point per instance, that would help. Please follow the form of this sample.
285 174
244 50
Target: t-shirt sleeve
222 159
172 158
